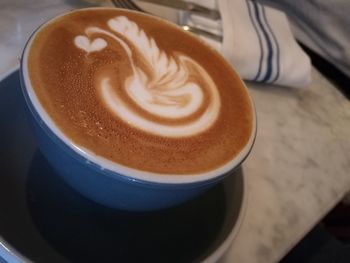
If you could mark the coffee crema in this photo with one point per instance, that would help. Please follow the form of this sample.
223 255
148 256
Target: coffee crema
139 91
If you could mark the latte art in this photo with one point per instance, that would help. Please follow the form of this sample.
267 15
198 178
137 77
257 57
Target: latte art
139 92
168 90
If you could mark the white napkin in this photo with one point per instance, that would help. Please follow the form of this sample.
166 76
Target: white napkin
257 41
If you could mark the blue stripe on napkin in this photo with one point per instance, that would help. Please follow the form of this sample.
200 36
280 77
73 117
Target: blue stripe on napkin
277 60
259 38
257 12
265 34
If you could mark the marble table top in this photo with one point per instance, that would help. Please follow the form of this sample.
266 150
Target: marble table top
299 168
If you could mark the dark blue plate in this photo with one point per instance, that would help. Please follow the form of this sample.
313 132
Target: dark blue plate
44 220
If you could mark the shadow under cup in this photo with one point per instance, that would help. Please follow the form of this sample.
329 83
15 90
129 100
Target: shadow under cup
112 188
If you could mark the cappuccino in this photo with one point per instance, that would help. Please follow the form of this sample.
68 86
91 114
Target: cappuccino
140 92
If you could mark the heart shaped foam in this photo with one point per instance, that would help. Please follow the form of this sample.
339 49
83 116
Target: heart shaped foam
84 43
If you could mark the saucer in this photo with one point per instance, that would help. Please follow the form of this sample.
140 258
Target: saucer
43 220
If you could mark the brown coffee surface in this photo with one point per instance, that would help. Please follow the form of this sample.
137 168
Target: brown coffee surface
70 82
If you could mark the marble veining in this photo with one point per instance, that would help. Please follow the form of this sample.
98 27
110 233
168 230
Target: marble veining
299 167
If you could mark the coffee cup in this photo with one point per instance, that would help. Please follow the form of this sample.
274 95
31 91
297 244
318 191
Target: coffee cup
133 112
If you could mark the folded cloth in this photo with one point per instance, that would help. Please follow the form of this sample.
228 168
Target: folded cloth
323 26
257 41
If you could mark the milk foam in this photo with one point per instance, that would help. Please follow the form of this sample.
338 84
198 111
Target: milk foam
169 92
90 46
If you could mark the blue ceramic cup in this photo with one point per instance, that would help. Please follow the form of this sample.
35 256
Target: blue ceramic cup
107 182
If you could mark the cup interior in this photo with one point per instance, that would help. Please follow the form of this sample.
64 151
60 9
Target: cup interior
103 164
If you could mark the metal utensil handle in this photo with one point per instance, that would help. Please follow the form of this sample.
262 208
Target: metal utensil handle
203 11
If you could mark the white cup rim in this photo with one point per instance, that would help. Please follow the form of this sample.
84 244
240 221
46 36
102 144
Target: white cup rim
121 170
